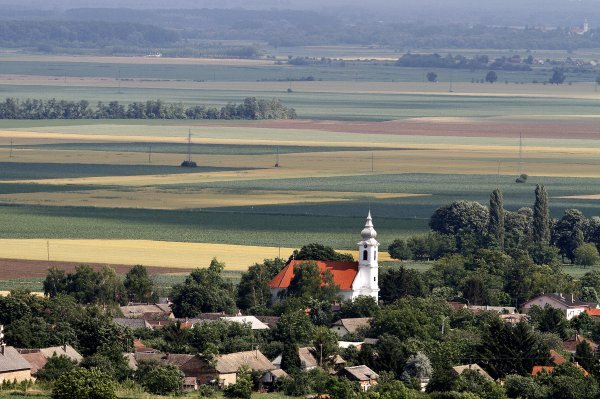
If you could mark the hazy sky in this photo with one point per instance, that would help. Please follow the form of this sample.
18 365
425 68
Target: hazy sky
557 12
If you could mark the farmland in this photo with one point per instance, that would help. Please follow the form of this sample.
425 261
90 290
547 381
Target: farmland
373 137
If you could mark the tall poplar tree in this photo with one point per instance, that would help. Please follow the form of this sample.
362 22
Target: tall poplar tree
541 217
496 218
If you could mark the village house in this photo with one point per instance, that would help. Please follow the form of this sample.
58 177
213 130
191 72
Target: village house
350 326
13 366
362 374
252 321
268 380
458 370
354 279
309 359
156 311
37 358
567 304
221 371
570 344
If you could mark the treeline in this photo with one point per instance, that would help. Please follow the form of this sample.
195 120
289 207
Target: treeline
460 62
251 109
464 227
45 35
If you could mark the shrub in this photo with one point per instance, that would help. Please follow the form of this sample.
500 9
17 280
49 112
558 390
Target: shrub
242 388
84 384
586 255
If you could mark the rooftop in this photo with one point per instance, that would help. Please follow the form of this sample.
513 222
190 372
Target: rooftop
343 273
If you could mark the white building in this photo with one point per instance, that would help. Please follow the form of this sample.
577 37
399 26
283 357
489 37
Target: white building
354 278
568 304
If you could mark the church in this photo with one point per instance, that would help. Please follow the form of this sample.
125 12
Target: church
354 278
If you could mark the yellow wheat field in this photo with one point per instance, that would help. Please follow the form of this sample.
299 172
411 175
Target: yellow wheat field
148 253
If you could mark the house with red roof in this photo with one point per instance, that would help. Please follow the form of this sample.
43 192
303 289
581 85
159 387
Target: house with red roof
354 279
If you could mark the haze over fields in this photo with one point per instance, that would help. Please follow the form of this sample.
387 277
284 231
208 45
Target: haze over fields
509 12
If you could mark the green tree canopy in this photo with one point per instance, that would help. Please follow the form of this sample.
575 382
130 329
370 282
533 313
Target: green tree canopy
317 251
139 286
253 293
204 290
82 383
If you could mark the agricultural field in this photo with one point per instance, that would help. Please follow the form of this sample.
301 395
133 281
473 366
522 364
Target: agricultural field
378 138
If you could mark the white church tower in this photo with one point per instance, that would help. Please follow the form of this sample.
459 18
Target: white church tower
366 282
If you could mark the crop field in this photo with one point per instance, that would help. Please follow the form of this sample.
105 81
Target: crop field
369 137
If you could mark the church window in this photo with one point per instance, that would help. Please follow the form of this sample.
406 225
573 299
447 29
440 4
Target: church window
365 255
375 279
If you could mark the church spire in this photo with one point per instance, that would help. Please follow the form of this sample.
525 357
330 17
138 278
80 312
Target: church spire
368 232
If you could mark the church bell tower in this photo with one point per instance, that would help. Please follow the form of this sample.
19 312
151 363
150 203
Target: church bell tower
367 279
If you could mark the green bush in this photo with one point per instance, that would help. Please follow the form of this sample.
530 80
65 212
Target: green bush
84 384
586 255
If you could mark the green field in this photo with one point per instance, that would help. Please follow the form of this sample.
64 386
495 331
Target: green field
324 104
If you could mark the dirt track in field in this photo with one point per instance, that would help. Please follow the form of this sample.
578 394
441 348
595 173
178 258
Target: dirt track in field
455 127
19 268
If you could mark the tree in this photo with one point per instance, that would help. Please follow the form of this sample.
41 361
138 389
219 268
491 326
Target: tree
491 77
586 357
401 282
253 292
433 77
460 217
586 255
139 286
362 306
567 233
290 359
419 366
161 380
55 367
399 250
496 220
55 282
541 217
243 385
221 337
326 346
558 76
204 290
294 327
320 252
109 358
310 282
82 383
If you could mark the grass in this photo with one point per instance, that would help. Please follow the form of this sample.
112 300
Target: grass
23 171
286 230
200 149
133 394
324 104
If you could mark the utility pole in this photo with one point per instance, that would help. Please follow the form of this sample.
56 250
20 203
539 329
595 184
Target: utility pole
520 154
277 158
149 154
190 145
119 80
372 162
451 81
11 148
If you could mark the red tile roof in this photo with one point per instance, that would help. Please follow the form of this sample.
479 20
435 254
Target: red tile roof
570 344
542 369
593 312
550 369
343 273
556 357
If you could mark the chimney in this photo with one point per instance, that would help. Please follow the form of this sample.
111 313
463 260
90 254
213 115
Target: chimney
572 298
64 347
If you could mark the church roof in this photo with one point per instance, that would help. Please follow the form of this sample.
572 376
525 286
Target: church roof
343 273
